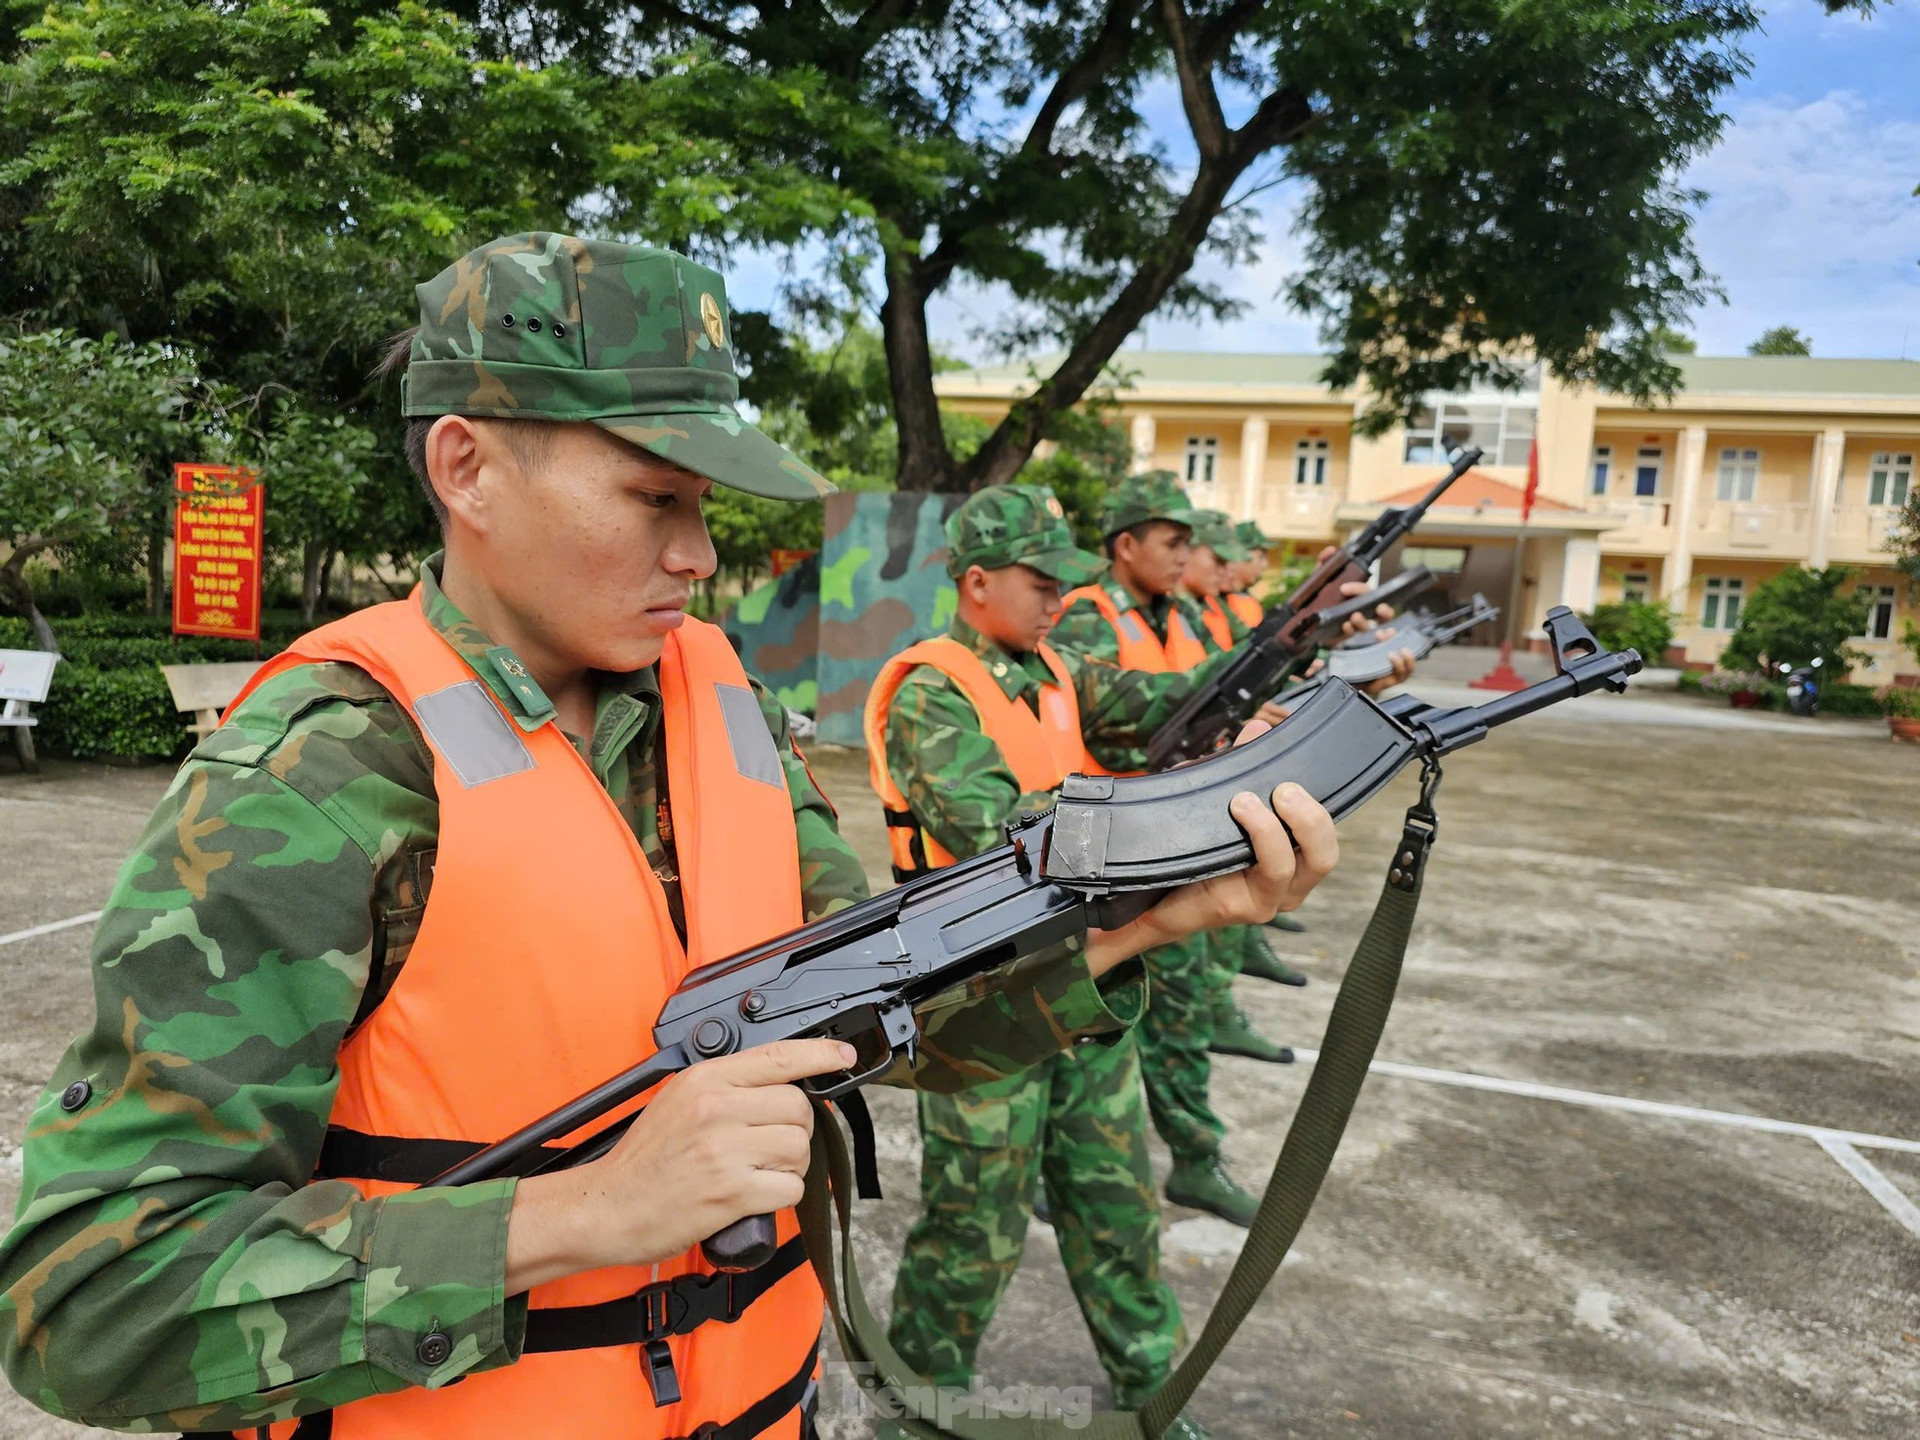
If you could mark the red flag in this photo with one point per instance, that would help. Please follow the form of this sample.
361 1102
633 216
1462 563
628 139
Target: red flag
1533 480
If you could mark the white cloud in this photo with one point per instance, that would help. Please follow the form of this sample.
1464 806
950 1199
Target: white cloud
1812 222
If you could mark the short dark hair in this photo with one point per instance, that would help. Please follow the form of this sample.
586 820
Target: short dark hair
530 440
1138 532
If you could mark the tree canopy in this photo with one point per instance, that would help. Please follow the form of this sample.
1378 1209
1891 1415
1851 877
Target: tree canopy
1478 182
1479 185
1798 616
85 435
1781 340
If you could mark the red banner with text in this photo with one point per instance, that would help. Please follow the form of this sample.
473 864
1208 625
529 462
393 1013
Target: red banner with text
217 550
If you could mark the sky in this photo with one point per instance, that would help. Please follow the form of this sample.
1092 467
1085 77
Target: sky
1810 219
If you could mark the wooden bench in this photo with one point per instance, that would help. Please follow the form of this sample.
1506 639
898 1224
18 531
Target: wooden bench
203 690
24 678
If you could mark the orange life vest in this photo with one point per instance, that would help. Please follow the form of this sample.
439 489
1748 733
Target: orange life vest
1216 621
1041 750
543 960
1246 607
1140 648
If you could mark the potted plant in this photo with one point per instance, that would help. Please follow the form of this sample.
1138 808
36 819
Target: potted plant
1746 689
1901 705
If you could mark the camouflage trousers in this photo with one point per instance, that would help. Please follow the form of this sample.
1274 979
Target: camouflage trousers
1185 982
1074 1122
1230 947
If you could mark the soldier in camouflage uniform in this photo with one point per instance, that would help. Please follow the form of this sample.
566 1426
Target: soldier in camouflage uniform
174 1265
1076 1122
1148 524
1216 557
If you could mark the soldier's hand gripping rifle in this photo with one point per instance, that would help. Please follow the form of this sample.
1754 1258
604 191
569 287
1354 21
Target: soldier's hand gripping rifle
1107 851
1289 635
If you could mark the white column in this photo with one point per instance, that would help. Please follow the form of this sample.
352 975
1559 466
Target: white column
1142 434
1580 576
1686 487
1828 452
1253 466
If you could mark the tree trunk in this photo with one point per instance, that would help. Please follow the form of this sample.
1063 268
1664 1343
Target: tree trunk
15 590
925 462
311 554
326 577
157 564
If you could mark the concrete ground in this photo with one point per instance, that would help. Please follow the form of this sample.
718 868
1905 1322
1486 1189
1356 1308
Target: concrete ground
1636 900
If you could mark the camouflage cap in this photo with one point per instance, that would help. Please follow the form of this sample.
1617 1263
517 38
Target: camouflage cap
636 340
1215 530
1006 525
1252 536
1154 495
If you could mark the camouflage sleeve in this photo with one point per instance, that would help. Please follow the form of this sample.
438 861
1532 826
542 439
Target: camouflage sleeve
171 1267
956 781
831 876
1121 709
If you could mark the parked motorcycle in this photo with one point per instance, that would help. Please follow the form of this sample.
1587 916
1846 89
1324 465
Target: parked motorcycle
1803 694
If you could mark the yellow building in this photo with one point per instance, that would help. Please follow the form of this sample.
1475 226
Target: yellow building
1758 463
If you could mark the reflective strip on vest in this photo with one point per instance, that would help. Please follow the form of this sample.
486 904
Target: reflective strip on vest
1041 750
543 959
479 743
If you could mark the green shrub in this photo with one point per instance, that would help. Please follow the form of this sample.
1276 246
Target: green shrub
124 714
1645 625
1849 700
1690 682
1900 700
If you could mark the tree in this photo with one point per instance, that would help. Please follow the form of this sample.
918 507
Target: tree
1643 625
1669 341
1904 539
81 427
1798 616
315 468
1781 340
1480 181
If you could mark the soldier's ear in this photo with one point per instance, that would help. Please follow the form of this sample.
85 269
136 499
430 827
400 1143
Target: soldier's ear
457 454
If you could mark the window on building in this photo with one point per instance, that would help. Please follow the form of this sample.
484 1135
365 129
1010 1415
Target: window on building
1502 428
1646 470
1441 559
1879 612
1889 478
1203 458
1634 586
1721 610
1602 467
1310 462
1739 475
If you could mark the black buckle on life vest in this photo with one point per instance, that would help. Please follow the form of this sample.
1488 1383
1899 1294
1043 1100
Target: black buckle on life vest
674 1307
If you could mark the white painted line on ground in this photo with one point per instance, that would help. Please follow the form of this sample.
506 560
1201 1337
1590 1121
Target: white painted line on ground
1594 1100
1876 1184
51 926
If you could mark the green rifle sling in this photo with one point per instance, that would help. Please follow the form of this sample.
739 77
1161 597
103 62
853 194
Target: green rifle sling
1353 1034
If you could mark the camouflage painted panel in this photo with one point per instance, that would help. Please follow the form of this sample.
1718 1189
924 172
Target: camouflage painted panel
776 628
883 586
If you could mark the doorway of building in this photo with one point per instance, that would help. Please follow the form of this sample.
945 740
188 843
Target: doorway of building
1462 571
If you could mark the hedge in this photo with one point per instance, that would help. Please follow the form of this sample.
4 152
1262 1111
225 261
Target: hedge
108 698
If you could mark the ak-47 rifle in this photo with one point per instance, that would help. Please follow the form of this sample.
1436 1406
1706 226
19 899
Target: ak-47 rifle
1289 635
1107 851
1369 657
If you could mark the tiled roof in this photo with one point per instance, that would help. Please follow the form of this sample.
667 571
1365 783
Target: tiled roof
1476 490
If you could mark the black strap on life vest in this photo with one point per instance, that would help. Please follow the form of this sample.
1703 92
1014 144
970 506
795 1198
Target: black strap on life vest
668 1307
798 1390
917 846
405 1159
770 1408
